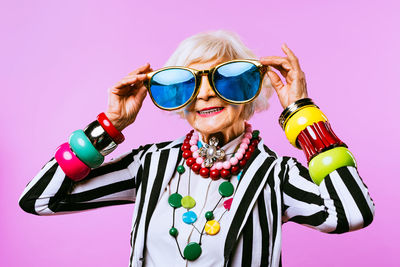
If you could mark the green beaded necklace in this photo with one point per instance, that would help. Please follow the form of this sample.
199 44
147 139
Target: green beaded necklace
193 250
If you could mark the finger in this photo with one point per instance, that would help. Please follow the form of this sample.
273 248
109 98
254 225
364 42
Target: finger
135 78
140 94
279 63
283 71
275 80
140 69
147 70
141 77
276 61
291 56
124 82
131 80
126 91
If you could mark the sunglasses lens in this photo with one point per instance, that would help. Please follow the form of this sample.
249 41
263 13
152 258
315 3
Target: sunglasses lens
171 88
237 81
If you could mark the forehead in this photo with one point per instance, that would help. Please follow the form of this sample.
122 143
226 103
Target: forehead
207 64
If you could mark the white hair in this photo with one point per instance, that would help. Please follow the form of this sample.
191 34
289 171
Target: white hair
220 45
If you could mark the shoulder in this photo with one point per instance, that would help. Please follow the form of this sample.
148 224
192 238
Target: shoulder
286 161
283 165
143 150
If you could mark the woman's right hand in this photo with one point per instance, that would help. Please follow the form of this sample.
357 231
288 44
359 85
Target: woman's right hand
126 97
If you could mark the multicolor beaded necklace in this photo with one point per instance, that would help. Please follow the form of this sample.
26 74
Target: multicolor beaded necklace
203 160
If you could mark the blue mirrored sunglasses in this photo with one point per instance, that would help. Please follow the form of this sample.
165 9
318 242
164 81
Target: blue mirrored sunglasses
236 82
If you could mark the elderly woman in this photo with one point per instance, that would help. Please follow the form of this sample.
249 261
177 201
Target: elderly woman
218 196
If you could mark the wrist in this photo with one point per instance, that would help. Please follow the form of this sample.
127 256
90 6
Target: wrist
307 128
293 108
117 123
87 148
112 126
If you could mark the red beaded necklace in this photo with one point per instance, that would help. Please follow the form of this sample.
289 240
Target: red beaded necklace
209 168
225 169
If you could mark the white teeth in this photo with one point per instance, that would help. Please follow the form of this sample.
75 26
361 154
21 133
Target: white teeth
209 111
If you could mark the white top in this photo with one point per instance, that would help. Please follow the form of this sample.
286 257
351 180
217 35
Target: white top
161 247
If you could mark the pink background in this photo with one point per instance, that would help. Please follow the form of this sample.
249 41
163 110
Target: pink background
59 57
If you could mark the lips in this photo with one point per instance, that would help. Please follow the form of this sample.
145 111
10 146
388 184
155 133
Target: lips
210 111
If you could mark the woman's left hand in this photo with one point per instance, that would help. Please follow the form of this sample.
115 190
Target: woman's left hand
296 86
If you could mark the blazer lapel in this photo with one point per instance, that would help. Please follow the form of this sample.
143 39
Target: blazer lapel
163 164
251 184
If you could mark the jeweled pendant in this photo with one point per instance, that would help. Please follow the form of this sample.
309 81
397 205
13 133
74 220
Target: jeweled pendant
211 153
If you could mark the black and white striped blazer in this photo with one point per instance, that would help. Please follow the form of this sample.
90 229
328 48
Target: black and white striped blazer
273 190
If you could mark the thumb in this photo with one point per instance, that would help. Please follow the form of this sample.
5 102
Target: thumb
140 94
275 80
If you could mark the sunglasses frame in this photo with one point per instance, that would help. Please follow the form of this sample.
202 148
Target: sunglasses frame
210 74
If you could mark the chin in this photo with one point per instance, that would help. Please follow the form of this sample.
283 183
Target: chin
211 125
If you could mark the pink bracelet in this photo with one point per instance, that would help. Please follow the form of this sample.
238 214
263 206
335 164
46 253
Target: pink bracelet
71 165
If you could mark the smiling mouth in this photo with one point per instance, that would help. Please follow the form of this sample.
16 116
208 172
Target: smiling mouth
207 112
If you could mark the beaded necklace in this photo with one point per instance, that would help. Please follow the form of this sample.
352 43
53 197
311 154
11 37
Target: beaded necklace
200 159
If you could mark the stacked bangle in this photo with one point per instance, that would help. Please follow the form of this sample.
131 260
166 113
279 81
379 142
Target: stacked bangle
115 135
326 162
86 148
300 119
307 128
293 108
100 139
317 138
71 165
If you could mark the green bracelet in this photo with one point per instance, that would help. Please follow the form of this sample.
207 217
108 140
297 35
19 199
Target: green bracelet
84 149
326 162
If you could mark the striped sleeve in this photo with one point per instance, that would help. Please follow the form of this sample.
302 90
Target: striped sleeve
341 203
113 183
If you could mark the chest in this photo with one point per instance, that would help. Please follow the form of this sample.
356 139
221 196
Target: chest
190 223
152 206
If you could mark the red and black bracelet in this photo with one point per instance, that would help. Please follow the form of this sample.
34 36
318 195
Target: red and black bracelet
317 138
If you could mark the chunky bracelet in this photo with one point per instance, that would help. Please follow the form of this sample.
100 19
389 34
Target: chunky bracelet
328 161
71 165
116 135
317 138
293 108
100 138
307 128
300 120
86 148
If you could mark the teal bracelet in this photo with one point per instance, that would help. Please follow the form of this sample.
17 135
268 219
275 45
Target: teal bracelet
326 162
84 149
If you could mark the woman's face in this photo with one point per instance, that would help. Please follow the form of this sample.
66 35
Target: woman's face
209 114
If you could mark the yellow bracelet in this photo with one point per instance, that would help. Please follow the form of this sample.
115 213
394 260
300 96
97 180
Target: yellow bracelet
302 118
326 162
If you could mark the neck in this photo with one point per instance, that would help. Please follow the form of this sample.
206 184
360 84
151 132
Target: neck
225 135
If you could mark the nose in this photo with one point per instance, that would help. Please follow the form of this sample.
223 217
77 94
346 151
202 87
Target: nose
205 90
